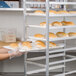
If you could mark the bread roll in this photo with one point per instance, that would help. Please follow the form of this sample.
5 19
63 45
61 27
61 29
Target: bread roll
44 24
62 12
72 12
14 45
51 44
39 12
67 23
50 24
40 44
72 34
70 23
63 22
52 35
52 12
27 44
39 35
56 23
61 34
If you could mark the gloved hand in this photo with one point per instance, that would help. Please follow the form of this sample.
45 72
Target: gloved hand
15 54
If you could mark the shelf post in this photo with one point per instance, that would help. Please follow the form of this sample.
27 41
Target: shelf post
25 64
47 37
64 30
24 37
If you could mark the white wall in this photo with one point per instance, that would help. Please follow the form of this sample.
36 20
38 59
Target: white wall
12 20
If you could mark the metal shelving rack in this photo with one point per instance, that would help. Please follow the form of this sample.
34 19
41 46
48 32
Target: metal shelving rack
57 53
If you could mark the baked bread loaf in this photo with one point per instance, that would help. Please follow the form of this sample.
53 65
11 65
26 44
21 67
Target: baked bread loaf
39 12
27 44
52 12
52 35
39 36
44 24
65 23
56 23
51 44
14 45
72 34
72 12
61 34
40 44
50 24
70 23
62 12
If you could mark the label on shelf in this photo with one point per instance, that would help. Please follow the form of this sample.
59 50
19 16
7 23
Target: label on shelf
3 4
13 4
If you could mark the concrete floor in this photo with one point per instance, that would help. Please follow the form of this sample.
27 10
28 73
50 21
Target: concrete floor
21 74
37 75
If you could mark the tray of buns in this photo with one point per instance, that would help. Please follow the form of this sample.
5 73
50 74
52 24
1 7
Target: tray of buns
51 2
54 37
32 46
53 13
56 24
51 27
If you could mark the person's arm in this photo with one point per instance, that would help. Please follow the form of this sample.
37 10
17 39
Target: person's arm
3 50
5 56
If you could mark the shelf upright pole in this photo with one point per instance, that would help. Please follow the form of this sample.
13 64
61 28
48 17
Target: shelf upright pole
24 37
25 65
47 37
64 30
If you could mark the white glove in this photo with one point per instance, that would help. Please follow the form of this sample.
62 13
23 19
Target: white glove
15 54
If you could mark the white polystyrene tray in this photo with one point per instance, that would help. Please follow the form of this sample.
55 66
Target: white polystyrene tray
8 47
51 15
24 49
52 39
51 27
